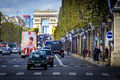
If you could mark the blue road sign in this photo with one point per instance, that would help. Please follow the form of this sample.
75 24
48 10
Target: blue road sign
109 35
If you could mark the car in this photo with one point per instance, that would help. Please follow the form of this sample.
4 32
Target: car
37 59
5 50
16 50
50 56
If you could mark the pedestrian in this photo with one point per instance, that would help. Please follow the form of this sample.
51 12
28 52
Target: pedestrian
94 54
68 50
84 53
97 54
106 51
87 52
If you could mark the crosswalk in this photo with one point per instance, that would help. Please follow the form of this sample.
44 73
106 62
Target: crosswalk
89 74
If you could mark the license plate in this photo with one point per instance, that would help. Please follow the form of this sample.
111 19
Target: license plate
37 64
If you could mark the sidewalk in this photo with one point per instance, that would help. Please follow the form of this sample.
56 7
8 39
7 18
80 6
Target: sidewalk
90 60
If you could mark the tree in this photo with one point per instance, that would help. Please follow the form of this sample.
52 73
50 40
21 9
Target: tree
76 14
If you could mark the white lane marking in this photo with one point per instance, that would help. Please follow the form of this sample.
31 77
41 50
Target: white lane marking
89 74
65 65
60 62
76 66
7 59
89 66
19 73
3 74
14 59
55 65
0 59
3 65
105 74
56 73
16 65
37 73
72 73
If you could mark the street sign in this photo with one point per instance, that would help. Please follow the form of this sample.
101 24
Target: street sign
109 35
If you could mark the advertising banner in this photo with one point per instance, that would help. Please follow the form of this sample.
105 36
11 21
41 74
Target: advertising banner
29 42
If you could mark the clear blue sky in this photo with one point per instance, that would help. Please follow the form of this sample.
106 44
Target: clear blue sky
27 7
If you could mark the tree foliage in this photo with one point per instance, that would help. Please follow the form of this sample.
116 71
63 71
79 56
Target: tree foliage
76 14
10 33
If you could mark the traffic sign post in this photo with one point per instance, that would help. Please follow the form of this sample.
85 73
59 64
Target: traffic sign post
109 35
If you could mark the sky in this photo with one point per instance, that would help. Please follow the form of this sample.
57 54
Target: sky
27 7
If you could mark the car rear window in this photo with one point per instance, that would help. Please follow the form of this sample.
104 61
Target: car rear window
36 55
47 52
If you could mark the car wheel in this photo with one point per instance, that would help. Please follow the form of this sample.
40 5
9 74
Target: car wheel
51 64
45 66
28 67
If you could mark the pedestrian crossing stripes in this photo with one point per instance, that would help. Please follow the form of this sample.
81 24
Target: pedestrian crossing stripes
3 74
105 74
72 73
15 65
3 65
37 73
19 73
89 74
56 73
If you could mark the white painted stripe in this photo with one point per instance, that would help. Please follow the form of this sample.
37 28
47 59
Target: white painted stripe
65 65
37 73
3 74
105 74
14 59
0 59
72 73
60 62
56 73
55 65
89 66
76 66
7 59
19 73
15 65
3 65
89 74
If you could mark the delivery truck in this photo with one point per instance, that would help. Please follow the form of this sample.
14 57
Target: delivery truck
28 43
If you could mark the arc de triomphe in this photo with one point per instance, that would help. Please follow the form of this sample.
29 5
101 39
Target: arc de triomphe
40 15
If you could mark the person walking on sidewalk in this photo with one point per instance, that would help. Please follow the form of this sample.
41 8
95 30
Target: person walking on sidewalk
84 53
68 50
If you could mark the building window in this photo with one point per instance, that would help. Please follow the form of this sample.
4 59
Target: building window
37 20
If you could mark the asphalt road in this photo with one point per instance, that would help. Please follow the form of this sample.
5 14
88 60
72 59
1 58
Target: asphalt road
68 68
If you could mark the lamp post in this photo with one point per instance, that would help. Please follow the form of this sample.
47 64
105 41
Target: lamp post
103 40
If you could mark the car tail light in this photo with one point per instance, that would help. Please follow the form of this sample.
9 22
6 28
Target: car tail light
29 61
52 57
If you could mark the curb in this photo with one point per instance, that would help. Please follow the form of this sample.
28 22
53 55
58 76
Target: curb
89 60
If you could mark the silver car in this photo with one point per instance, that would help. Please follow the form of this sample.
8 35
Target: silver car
5 50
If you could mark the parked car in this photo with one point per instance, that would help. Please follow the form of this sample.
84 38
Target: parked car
37 59
5 50
50 56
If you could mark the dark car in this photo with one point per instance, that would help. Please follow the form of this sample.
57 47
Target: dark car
37 59
50 56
